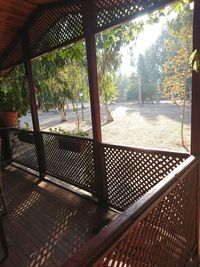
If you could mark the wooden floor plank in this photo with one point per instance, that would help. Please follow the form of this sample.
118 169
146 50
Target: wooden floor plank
46 224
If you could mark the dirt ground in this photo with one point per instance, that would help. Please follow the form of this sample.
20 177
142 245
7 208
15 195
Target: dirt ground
149 125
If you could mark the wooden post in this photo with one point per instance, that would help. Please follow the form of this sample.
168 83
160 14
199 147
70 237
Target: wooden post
198 212
34 114
89 21
32 98
195 124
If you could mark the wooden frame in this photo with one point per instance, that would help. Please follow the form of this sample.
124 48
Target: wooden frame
93 252
119 228
89 13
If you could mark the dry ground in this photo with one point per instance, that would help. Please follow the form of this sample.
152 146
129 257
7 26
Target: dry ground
149 125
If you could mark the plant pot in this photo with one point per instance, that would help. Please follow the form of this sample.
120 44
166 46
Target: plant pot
9 118
73 147
26 137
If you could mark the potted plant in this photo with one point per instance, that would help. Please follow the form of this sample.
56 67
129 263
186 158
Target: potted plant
65 144
26 134
13 98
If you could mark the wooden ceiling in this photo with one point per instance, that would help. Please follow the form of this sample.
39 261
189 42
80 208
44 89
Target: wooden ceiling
13 15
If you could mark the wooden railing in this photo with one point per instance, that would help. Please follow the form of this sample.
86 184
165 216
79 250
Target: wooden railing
159 230
159 227
131 172
128 172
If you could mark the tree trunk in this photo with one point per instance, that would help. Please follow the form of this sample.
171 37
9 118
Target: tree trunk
108 114
140 90
75 108
173 99
157 94
182 123
63 112
78 120
46 107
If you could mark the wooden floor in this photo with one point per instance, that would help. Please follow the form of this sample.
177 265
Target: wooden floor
46 224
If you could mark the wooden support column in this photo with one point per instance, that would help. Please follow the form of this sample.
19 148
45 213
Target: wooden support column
195 127
89 19
198 212
195 124
34 114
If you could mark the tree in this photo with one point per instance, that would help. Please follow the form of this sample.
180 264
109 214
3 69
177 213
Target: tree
177 67
71 79
146 90
109 44
54 87
122 84
155 57
132 93
14 86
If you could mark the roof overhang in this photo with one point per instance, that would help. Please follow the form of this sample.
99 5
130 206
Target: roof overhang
40 26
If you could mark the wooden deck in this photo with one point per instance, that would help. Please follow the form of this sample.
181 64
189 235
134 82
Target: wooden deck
46 224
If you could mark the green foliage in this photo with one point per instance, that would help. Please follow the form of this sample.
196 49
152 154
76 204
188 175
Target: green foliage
132 93
62 131
109 44
147 89
122 84
155 57
195 61
13 92
61 75
27 126
108 88
177 68
113 39
11 99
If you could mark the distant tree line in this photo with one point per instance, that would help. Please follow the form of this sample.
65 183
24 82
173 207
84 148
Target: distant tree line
163 70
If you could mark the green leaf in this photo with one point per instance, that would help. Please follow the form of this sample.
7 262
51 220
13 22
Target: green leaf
195 61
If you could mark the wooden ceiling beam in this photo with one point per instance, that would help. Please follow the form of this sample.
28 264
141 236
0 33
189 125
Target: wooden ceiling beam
17 4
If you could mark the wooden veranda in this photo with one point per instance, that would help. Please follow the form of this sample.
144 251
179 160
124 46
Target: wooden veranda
43 222
153 194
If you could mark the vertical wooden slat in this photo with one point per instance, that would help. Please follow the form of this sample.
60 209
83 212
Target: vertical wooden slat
89 21
34 114
195 127
32 98
198 213
6 152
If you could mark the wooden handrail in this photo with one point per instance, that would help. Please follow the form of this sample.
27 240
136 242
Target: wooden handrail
79 138
147 150
128 148
106 145
51 133
115 231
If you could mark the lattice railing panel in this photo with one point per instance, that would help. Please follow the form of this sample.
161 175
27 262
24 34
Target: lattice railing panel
113 12
23 148
70 159
56 27
131 173
59 24
167 234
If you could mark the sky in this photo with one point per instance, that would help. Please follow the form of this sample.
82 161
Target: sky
145 40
